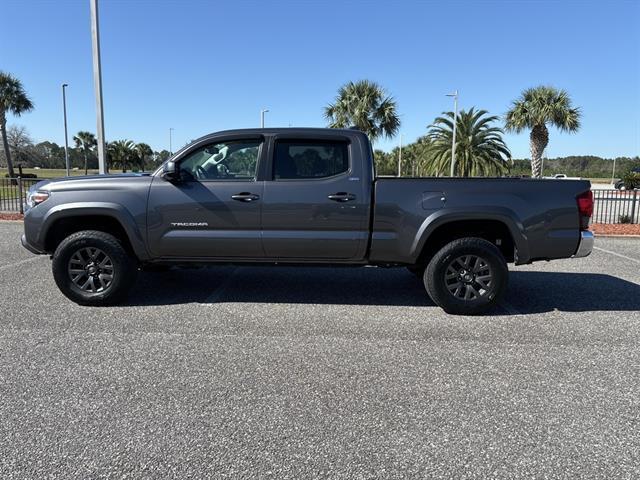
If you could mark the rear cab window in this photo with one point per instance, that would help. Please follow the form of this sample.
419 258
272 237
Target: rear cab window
309 159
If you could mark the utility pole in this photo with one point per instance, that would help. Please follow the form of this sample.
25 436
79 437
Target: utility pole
170 142
262 112
455 123
613 173
66 137
97 85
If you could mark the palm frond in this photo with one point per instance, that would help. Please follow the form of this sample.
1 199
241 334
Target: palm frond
365 105
13 97
480 149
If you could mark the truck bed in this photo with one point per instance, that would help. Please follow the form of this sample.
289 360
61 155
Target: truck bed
540 215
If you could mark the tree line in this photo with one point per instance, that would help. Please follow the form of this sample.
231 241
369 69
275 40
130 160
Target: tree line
480 149
121 154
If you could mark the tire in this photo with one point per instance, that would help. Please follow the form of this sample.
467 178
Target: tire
481 276
91 253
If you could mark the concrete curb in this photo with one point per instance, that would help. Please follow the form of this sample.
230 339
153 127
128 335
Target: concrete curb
601 235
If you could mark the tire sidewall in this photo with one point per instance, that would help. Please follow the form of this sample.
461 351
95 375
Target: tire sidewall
435 273
123 273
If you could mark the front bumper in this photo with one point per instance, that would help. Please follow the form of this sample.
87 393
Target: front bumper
586 244
29 247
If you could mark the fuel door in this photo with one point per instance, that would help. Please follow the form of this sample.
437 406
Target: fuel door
432 201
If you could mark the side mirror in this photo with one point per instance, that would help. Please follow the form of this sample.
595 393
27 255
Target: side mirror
170 171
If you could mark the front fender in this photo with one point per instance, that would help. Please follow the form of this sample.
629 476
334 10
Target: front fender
110 209
447 215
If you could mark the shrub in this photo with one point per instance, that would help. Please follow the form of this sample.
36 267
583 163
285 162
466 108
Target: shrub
631 180
24 175
624 218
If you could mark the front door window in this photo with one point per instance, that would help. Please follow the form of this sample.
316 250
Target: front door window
234 160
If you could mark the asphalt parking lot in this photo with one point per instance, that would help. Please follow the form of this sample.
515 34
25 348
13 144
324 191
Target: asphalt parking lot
257 372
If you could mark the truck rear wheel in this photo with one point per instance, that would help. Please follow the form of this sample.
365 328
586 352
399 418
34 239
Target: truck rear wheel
93 268
468 276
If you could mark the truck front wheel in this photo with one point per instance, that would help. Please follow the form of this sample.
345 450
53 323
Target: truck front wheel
468 276
93 268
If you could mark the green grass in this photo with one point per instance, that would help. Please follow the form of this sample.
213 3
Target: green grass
8 192
11 191
49 172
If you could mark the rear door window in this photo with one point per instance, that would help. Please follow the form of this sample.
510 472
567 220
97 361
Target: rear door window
295 160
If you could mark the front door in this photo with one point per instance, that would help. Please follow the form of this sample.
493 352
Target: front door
314 205
214 211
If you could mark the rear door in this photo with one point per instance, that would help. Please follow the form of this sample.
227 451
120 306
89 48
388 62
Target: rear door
215 210
314 204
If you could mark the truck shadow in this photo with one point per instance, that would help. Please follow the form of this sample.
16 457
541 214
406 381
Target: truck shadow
529 291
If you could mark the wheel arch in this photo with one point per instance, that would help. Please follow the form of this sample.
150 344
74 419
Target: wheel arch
500 228
114 219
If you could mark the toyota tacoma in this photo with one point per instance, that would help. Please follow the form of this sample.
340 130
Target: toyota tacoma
305 197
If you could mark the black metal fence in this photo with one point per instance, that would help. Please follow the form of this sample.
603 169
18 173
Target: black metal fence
614 206
13 193
611 206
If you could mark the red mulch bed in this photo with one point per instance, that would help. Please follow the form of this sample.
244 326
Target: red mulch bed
10 216
615 229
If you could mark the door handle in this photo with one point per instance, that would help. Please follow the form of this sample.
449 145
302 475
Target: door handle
245 197
342 197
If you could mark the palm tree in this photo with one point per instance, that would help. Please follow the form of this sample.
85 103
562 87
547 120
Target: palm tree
87 142
536 108
480 149
419 153
13 99
143 152
365 105
122 153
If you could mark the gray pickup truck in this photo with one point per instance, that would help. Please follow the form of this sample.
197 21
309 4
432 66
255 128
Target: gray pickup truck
307 197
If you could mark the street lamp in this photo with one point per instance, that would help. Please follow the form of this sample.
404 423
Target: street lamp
613 173
262 112
455 121
400 157
170 142
66 138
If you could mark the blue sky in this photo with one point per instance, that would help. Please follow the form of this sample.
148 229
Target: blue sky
202 66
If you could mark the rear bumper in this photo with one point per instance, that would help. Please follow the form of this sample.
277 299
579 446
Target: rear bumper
29 247
586 244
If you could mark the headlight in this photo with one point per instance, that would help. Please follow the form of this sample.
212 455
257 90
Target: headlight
36 198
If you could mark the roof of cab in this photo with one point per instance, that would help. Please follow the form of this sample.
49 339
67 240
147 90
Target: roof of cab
290 130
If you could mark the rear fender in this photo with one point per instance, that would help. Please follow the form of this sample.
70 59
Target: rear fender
444 216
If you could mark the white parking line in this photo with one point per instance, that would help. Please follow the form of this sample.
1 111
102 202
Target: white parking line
21 262
635 260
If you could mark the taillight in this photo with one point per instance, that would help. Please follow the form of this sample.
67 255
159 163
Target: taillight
585 208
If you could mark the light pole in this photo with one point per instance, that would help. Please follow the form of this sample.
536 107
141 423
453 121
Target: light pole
613 173
455 121
400 157
97 85
262 112
170 142
66 137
